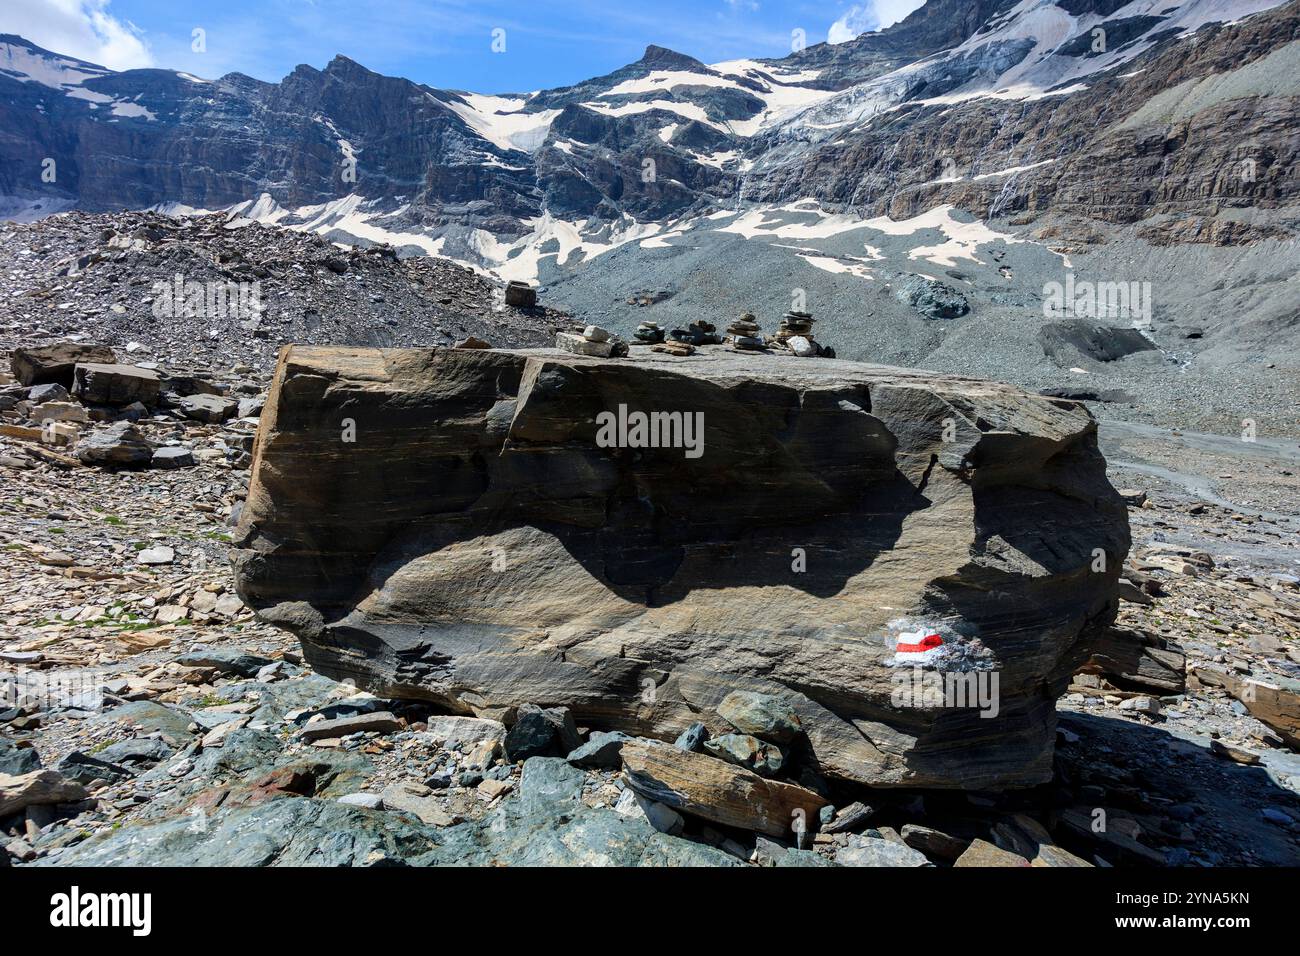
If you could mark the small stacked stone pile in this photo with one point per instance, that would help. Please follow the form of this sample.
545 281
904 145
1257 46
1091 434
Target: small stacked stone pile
795 324
745 333
674 347
698 332
649 332
592 341
795 334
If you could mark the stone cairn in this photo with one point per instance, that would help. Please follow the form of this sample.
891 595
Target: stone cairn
795 334
745 333
649 332
795 324
697 333
593 340
674 347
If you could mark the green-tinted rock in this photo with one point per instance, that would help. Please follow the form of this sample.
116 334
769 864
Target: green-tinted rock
760 715
151 718
749 752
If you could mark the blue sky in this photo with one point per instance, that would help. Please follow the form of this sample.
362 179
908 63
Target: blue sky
444 43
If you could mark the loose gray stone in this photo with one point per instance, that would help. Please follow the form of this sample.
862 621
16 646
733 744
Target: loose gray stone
16 760
100 384
118 446
851 818
84 768
872 851
371 801
49 392
379 723
213 409
602 750
692 738
172 456
225 660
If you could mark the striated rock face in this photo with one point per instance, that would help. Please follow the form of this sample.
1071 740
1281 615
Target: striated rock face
444 524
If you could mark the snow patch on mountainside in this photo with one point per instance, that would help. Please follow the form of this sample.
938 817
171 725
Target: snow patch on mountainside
962 239
687 110
132 110
31 65
782 92
775 222
816 235
571 244
502 121
659 80
355 217
351 216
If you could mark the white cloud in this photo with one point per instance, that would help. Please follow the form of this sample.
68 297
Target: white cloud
81 28
872 15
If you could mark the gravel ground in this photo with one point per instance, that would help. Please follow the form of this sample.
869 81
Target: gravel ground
95 277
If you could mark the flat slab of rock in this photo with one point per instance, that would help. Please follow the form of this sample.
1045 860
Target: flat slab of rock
55 363
38 788
875 851
226 660
468 730
102 384
120 445
933 842
172 456
1274 701
570 342
1050 855
982 853
60 412
475 546
714 790
213 409
406 796
1137 660
380 722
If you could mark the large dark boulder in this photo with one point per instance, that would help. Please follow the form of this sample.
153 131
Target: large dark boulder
1073 339
444 525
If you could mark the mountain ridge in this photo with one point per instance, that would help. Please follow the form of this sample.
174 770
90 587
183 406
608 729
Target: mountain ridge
838 170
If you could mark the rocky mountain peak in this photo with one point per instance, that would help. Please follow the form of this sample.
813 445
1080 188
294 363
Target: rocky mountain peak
901 120
662 58
346 67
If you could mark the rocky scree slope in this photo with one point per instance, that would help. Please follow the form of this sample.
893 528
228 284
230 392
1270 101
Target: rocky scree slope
106 277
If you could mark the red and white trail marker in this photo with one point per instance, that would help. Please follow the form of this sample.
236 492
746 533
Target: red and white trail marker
917 647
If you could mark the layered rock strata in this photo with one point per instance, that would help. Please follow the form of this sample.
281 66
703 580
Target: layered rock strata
485 529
